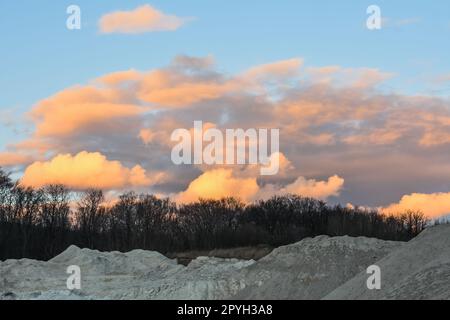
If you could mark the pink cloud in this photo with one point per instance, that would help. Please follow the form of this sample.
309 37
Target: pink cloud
142 19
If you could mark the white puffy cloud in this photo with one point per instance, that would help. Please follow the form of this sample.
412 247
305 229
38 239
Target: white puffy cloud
87 170
142 19
433 205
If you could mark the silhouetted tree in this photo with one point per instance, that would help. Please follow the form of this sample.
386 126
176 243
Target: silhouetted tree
40 223
89 216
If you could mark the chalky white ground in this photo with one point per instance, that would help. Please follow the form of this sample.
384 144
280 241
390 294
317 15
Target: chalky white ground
314 268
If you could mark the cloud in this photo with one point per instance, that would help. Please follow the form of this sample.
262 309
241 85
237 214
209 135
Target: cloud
382 136
433 137
441 79
86 170
315 189
433 205
170 90
219 183
281 70
285 165
71 110
193 63
147 136
356 78
333 121
142 19
190 80
306 188
13 159
226 182
118 78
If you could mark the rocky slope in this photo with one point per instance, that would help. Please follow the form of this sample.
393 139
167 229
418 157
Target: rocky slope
418 270
314 268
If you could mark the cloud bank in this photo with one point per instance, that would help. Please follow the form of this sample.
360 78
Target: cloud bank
335 124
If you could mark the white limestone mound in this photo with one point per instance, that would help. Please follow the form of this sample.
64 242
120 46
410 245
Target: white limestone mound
418 270
113 275
312 267
207 278
114 263
102 273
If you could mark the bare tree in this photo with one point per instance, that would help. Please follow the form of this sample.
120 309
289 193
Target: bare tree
89 215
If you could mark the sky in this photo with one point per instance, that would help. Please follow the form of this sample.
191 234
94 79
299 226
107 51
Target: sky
364 114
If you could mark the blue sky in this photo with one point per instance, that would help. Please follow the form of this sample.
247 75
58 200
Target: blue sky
39 56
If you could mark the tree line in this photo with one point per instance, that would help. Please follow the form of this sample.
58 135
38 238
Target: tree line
41 223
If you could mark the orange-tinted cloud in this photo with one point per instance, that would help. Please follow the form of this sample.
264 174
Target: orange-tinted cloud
86 170
433 205
331 120
306 188
358 78
147 136
119 77
13 159
281 69
315 189
224 182
72 109
177 88
219 183
435 137
158 89
142 19
377 137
